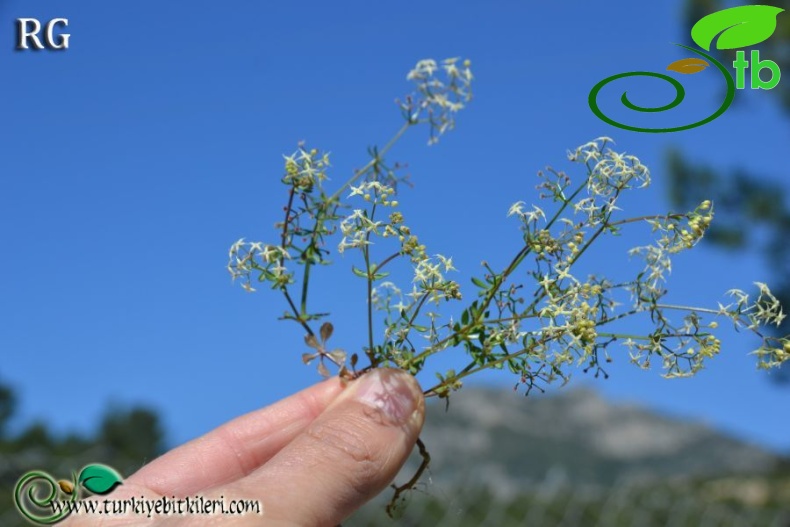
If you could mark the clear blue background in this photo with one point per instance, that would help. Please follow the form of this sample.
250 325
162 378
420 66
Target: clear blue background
131 162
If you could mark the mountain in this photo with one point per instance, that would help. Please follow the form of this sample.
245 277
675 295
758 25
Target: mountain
507 443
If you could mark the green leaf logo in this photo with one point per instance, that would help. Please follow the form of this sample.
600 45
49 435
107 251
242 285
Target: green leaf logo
99 479
739 27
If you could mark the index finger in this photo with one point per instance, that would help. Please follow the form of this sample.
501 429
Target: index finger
238 447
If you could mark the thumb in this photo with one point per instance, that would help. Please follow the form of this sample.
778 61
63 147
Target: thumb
347 455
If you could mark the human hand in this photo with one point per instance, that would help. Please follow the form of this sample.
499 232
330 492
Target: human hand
310 460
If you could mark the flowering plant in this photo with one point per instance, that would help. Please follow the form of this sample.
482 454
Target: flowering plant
536 328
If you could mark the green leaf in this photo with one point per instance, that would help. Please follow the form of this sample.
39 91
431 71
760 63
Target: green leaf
379 276
359 272
99 479
739 27
479 283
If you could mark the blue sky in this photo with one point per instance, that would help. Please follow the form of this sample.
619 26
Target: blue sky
131 162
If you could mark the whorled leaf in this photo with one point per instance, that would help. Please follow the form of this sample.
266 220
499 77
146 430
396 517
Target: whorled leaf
739 27
688 66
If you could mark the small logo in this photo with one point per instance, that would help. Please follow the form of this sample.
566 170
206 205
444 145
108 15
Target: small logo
737 27
37 502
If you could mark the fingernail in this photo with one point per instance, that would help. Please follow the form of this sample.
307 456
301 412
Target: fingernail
394 392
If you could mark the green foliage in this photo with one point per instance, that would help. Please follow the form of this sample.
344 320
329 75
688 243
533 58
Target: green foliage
132 434
7 406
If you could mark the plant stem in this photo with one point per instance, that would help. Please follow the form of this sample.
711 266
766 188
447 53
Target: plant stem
359 173
644 218
498 284
387 260
366 252
686 308
284 243
426 460
320 218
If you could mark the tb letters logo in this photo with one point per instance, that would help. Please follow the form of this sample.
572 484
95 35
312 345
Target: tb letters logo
29 34
737 27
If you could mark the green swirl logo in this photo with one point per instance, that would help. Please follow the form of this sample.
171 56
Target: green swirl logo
737 27
36 493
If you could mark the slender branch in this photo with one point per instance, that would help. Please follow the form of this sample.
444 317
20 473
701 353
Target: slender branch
686 308
297 317
650 337
366 252
470 371
409 485
286 221
284 243
305 284
325 206
515 262
417 310
645 218
387 260
359 173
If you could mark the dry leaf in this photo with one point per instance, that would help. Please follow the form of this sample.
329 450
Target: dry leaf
326 331
322 369
307 357
338 355
311 341
687 66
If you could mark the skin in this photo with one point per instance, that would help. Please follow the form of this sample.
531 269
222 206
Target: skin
311 459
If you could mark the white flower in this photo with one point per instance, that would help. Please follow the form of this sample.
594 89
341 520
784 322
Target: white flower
516 208
236 247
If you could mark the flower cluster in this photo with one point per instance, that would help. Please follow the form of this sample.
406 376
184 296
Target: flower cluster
246 258
437 101
537 317
303 169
